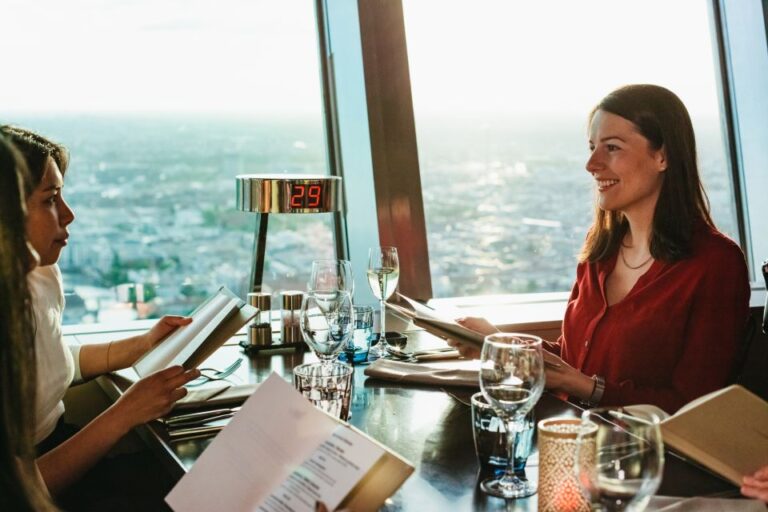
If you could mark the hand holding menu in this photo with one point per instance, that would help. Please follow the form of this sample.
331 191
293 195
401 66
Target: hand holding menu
436 324
725 431
213 323
280 452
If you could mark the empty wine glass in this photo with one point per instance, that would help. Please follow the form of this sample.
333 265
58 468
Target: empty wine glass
512 380
327 323
622 468
331 275
383 275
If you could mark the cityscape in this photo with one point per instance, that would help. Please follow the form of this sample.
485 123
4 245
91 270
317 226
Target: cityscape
156 230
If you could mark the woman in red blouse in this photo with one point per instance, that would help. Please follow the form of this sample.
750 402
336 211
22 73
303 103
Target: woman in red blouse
661 297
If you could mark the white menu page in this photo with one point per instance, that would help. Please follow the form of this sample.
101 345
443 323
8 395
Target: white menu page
279 453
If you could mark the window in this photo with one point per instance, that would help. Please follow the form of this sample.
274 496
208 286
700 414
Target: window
501 92
161 104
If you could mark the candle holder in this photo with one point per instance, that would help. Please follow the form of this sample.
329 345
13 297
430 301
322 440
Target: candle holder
559 489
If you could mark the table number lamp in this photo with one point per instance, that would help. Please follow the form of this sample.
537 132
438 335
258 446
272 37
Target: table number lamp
282 193
265 194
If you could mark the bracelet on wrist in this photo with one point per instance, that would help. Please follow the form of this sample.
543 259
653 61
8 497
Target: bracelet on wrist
597 391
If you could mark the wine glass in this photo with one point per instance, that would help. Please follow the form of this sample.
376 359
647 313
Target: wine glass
327 322
383 275
331 275
512 380
619 467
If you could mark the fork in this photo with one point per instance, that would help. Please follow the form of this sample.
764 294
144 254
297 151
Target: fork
216 375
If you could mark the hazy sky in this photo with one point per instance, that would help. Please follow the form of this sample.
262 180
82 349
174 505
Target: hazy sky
220 55
261 56
556 55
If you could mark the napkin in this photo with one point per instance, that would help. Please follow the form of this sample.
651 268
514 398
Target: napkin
442 373
212 394
672 504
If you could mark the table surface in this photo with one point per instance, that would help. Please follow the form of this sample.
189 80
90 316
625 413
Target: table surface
430 427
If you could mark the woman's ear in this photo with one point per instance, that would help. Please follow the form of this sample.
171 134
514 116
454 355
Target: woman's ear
661 159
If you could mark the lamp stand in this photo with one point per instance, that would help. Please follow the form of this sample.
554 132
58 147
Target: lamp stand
259 248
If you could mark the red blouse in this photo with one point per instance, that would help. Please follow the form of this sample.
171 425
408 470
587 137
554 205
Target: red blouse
674 336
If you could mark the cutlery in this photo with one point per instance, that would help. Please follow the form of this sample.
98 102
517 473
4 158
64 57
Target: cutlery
194 432
198 418
402 354
215 374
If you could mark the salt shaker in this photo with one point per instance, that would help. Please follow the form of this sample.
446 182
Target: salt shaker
290 329
260 330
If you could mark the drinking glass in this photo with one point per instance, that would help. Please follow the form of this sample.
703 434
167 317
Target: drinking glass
383 275
329 389
491 438
629 460
331 275
356 350
512 380
327 322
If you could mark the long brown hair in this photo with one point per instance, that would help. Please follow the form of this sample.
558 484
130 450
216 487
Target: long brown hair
20 485
659 116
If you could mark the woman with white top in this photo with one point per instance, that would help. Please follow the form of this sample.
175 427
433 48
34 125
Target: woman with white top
20 485
66 454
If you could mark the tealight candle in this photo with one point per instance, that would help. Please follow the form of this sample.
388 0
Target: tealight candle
559 490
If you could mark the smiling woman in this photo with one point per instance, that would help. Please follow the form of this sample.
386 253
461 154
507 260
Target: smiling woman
661 297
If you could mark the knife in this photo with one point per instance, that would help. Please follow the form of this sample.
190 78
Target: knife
183 420
194 432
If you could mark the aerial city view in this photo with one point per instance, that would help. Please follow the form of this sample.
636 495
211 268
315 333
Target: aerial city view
156 229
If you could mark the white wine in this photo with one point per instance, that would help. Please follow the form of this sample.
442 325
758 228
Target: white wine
383 281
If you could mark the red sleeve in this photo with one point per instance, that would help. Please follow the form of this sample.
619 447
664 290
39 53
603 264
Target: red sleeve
714 331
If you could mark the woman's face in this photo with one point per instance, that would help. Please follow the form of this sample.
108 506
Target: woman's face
627 172
48 216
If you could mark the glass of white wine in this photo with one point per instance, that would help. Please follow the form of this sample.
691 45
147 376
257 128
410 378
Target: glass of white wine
512 381
383 275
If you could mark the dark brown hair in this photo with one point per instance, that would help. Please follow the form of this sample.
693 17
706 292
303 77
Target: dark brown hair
36 149
659 116
20 486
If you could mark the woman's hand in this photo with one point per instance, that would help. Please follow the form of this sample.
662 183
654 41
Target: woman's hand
476 324
756 485
160 330
564 378
152 397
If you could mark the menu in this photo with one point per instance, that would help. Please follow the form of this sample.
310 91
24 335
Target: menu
280 453
213 323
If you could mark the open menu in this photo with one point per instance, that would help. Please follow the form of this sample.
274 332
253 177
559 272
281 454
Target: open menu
280 453
435 323
213 323
726 431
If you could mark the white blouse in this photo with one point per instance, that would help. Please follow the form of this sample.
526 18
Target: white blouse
58 364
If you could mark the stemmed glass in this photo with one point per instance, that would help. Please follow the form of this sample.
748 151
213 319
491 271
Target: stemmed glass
621 469
327 323
383 275
512 380
331 275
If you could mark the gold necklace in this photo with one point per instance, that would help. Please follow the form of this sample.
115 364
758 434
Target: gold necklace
621 252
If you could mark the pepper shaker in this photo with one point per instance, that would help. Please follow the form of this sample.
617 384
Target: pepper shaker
260 330
290 328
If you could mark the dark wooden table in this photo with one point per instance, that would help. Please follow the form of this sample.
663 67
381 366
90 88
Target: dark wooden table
430 427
